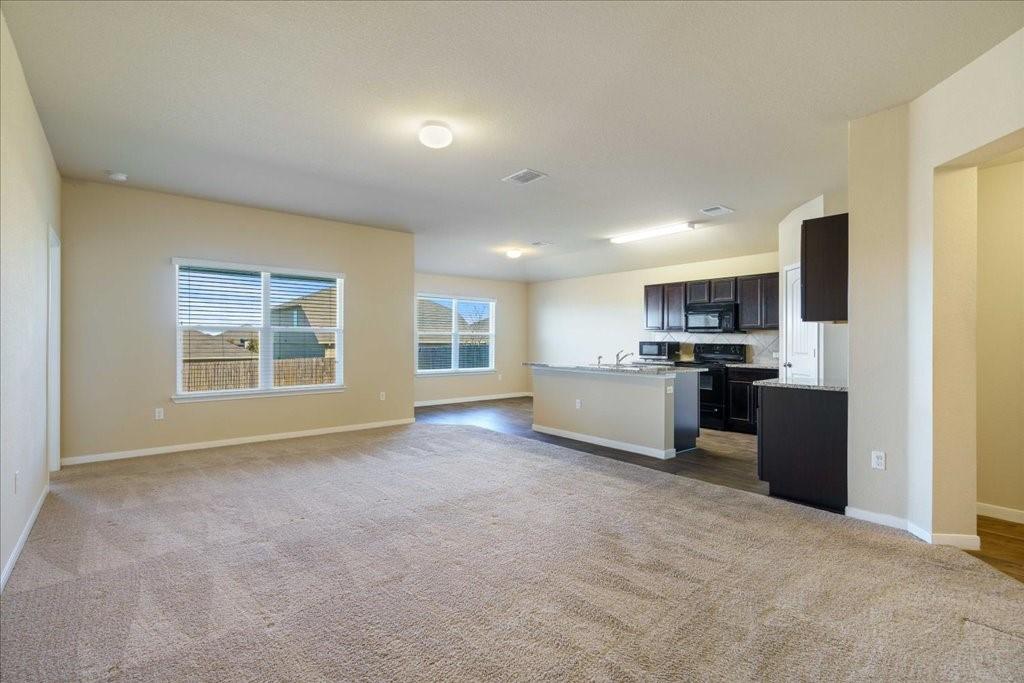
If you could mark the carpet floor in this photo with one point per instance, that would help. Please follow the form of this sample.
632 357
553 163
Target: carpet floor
456 553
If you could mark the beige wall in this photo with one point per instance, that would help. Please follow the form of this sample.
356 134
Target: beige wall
29 206
633 410
575 320
877 176
1000 336
898 255
119 318
955 225
510 342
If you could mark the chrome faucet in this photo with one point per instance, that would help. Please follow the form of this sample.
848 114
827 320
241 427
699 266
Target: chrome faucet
619 357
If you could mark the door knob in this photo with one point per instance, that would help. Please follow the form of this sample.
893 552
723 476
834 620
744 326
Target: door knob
787 365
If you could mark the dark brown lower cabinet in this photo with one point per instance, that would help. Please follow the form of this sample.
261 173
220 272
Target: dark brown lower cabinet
741 397
801 445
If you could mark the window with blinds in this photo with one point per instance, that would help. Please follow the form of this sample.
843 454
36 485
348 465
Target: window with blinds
250 330
454 335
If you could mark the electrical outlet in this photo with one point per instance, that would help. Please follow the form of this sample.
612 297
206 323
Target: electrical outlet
17 476
579 404
158 413
775 355
499 377
878 460
383 396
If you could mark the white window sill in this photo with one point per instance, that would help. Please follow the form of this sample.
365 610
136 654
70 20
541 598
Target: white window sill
195 397
430 373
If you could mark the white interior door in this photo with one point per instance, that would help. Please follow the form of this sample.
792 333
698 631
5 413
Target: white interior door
801 341
53 355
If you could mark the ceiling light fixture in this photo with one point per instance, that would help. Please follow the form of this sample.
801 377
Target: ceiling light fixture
514 253
116 176
661 230
436 135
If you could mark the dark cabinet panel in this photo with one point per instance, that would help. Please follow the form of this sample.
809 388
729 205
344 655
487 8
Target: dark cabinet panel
674 305
750 300
742 397
801 445
770 301
824 256
723 290
698 292
758 297
654 307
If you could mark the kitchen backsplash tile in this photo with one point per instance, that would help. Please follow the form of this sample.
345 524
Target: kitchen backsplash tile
761 344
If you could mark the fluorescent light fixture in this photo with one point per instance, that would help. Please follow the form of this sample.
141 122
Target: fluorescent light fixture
660 231
436 135
514 253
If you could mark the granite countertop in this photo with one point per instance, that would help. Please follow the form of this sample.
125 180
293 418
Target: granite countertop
798 385
753 366
648 371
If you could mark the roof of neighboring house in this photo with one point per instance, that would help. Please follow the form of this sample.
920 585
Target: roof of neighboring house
431 316
196 344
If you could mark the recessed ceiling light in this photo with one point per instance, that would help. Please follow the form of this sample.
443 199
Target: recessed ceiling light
116 176
436 135
514 253
670 229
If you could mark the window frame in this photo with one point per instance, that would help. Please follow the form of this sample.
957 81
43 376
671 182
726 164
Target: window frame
266 336
455 335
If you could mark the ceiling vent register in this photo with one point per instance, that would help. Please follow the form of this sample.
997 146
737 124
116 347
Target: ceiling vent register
527 175
716 210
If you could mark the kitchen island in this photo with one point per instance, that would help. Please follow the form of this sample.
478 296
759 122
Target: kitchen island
652 411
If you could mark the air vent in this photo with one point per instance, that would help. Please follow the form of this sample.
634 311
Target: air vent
716 210
527 175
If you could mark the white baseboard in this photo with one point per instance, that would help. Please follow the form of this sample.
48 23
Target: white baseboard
16 552
925 536
175 448
877 518
471 399
999 512
610 443
962 541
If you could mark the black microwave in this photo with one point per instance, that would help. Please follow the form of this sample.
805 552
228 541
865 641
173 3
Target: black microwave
711 318
659 350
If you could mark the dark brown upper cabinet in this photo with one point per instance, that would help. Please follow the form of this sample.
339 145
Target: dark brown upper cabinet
654 307
698 292
758 297
723 290
675 303
824 268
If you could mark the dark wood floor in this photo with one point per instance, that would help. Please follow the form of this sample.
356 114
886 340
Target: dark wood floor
724 458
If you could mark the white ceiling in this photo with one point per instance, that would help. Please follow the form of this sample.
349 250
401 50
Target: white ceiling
642 113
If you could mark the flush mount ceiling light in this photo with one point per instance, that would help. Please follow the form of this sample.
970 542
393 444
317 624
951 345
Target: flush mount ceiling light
514 253
116 176
660 231
436 135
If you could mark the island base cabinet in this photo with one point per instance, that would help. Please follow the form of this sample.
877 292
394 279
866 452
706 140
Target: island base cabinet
801 445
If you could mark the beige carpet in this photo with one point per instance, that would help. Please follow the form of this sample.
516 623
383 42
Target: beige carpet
456 553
